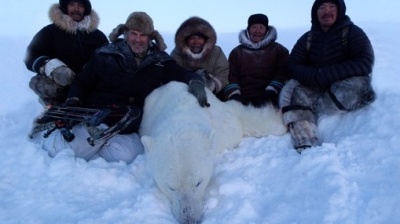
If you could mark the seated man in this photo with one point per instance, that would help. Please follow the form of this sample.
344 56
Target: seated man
258 65
60 50
331 69
196 50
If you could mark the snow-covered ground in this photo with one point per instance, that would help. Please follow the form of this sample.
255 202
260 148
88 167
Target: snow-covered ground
352 178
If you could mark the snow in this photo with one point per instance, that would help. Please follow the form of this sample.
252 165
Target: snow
352 178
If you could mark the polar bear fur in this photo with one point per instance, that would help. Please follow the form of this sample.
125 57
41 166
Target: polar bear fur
181 140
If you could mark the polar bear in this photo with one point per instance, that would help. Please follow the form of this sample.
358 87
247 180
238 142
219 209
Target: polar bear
181 140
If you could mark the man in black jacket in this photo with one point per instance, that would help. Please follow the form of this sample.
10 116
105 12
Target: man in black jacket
123 73
330 68
60 50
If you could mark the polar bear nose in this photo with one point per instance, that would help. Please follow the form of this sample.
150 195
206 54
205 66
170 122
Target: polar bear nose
187 212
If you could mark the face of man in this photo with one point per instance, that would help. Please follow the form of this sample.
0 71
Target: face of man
76 10
196 44
327 14
137 41
257 32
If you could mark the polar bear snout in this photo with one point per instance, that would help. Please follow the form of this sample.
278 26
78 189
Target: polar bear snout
188 210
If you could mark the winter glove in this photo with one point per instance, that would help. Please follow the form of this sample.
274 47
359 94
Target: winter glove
207 79
271 96
72 102
197 89
237 97
59 72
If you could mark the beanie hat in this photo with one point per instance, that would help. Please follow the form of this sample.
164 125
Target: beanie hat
141 22
257 19
86 3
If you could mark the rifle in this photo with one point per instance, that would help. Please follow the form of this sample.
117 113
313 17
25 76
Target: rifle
64 118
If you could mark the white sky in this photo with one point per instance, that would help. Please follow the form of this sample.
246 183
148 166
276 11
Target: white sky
26 17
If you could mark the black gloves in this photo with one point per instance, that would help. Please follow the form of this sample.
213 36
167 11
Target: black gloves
237 97
207 79
197 89
72 102
59 72
270 96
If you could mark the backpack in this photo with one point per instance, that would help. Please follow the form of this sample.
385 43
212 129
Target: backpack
345 33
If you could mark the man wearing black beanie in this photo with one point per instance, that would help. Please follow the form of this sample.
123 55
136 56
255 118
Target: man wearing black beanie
330 67
258 66
257 18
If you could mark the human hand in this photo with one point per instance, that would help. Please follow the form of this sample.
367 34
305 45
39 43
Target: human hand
208 79
272 97
59 72
236 97
72 102
197 89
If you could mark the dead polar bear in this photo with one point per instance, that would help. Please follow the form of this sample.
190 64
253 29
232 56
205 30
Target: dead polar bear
181 140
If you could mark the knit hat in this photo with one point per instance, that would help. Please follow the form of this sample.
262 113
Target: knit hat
257 19
86 3
141 22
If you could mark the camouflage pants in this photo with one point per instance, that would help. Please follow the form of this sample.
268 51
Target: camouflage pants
49 92
301 105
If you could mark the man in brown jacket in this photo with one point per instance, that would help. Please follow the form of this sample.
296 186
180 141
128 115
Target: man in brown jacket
258 66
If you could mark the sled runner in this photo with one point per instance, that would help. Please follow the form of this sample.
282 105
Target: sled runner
64 118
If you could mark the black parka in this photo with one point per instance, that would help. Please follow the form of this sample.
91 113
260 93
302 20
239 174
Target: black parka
112 77
63 40
330 58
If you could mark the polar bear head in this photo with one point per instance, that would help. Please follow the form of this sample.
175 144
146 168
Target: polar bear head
182 165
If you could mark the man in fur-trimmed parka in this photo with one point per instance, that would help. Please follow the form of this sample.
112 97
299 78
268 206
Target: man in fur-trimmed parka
60 50
196 50
258 65
330 68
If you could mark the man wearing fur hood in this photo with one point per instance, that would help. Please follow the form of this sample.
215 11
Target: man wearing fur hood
123 73
331 68
196 50
60 50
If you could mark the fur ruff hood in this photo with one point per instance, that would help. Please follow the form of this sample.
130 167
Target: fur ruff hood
192 26
88 24
269 38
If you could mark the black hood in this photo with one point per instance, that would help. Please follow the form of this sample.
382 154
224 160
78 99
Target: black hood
86 3
341 11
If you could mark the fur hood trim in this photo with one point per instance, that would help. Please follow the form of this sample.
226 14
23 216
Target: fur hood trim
269 38
88 24
192 26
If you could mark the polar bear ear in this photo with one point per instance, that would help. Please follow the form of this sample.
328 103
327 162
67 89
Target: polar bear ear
147 142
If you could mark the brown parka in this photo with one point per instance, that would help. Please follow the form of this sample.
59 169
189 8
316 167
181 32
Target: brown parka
256 66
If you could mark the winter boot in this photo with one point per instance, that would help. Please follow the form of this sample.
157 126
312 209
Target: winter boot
50 93
304 135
